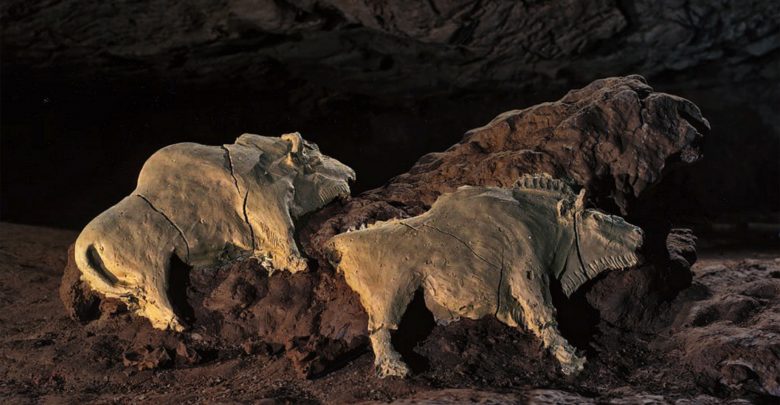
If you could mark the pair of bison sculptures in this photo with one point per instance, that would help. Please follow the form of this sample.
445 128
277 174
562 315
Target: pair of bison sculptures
478 251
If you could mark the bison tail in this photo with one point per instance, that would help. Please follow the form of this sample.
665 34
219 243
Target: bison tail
93 270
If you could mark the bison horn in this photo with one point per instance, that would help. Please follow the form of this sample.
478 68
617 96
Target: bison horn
579 204
295 140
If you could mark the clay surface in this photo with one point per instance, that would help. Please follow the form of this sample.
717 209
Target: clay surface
203 204
47 357
483 251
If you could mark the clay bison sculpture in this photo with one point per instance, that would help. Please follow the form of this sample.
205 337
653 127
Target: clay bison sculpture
202 204
483 251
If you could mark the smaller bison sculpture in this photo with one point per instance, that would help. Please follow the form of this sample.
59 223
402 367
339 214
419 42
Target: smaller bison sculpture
483 251
202 204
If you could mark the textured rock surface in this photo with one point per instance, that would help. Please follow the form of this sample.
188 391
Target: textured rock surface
81 303
312 317
636 299
203 204
635 310
359 45
48 357
729 328
484 251
375 85
614 137
546 397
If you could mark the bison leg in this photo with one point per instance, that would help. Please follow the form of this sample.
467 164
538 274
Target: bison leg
532 294
125 253
158 306
387 307
388 362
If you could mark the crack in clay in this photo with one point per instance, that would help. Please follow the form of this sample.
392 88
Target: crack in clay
408 226
462 242
229 160
181 233
500 281
246 219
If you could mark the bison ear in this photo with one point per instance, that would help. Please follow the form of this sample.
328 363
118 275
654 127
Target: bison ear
579 204
564 208
296 143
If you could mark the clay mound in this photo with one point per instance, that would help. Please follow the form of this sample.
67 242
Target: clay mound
313 317
49 358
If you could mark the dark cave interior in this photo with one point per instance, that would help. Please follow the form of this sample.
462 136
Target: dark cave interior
90 89
89 92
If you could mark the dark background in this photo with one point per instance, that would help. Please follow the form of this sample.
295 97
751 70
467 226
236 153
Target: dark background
91 88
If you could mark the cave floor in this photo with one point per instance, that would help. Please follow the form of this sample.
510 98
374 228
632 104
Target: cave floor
47 357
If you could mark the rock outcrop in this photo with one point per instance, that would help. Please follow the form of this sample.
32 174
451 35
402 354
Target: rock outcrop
370 48
615 137
378 85
728 327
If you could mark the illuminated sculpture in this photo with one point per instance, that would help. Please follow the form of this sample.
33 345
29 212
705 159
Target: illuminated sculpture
202 204
484 251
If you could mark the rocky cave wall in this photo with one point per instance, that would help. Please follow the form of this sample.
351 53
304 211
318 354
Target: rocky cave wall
90 89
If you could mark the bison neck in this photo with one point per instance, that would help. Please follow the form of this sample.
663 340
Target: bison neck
580 268
565 259
573 275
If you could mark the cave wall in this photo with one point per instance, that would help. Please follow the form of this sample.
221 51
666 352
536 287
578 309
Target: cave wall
90 89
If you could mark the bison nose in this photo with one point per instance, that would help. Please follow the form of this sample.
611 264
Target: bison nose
639 236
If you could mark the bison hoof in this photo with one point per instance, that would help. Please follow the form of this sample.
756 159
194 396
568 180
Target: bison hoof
392 368
177 326
294 264
172 324
573 366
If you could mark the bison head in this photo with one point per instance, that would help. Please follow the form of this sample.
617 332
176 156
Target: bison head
601 242
318 179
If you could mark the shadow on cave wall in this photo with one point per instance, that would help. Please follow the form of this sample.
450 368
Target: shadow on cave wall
89 92
70 152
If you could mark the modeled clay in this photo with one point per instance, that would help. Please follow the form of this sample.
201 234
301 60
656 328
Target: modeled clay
484 251
202 204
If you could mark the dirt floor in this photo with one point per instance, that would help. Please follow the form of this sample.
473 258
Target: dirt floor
717 342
